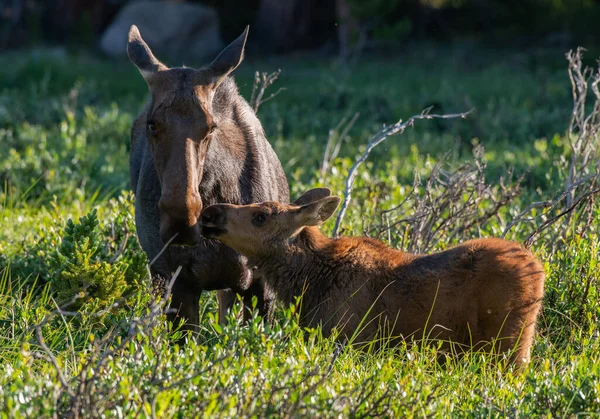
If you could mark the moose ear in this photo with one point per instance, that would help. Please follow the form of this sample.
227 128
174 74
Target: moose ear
141 56
229 58
317 212
312 196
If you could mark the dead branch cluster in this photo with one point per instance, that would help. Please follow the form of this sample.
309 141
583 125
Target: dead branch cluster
383 134
448 205
573 203
262 81
85 396
452 203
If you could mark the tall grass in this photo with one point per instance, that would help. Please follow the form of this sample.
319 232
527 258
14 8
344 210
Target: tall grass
64 127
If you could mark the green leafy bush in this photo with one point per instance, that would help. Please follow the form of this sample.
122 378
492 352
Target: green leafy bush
86 260
86 264
78 266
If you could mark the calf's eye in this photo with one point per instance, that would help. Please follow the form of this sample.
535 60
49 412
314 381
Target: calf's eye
151 127
259 219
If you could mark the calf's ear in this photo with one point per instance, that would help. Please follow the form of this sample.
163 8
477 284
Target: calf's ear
229 58
141 56
317 212
312 195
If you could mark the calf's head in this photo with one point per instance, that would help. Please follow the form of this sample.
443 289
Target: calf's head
256 230
180 124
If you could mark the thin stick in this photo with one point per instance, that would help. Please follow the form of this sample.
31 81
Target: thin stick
163 249
398 128
50 355
262 81
545 224
335 140
544 204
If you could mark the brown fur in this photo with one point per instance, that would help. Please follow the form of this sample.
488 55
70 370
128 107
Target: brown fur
198 142
482 291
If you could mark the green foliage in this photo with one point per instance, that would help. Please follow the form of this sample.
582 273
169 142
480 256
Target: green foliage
81 267
86 261
40 160
572 292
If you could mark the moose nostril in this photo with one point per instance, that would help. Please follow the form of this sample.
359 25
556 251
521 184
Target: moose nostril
210 216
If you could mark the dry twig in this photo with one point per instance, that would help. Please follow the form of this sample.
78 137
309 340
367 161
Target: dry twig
336 138
262 81
449 205
583 171
387 131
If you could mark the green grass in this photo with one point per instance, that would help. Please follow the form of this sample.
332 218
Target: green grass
64 139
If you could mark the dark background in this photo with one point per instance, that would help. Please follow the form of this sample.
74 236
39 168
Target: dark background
329 26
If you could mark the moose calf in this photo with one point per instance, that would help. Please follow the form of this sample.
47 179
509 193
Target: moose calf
483 294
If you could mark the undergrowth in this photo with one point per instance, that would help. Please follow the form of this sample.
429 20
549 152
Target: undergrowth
82 331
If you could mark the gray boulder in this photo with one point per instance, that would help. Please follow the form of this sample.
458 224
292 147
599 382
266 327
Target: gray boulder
176 30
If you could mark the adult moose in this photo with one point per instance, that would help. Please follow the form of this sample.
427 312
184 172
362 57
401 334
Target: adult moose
198 142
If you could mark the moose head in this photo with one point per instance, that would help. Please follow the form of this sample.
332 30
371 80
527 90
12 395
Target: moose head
180 125
257 230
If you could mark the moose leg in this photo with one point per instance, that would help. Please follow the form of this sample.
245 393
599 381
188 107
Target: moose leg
226 299
265 300
268 306
523 326
184 311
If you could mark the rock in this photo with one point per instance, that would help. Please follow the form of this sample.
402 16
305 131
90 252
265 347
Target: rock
176 30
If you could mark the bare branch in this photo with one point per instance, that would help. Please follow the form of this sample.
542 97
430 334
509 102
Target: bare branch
162 250
583 128
547 223
121 248
544 204
53 360
262 81
397 128
583 170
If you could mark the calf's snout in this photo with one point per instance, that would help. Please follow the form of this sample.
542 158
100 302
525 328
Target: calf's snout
214 216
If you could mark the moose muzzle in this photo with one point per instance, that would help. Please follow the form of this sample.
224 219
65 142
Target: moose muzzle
179 219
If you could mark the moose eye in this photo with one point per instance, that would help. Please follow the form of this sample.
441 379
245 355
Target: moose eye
259 219
151 127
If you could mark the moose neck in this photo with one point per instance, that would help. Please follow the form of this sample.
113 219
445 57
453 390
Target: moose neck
231 162
303 268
